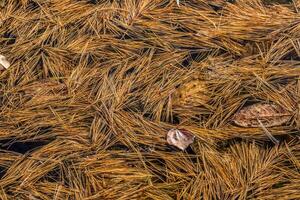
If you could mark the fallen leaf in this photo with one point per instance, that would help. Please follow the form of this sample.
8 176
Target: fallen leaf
180 138
262 114
4 64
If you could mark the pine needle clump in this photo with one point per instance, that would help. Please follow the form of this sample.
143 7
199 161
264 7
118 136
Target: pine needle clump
94 86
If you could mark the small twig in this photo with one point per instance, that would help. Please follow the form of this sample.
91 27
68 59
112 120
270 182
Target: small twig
270 136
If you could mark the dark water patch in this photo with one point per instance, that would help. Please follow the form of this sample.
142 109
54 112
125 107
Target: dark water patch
32 5
175 119
119 147
231 1
267 144
271 2
112 71
194 56
129 71
9 37
94 2
187 61
292 56
216 7
54 175
21 147
222 145
2 172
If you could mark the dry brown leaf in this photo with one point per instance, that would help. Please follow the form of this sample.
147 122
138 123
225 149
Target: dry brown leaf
180 138
268 114
4 64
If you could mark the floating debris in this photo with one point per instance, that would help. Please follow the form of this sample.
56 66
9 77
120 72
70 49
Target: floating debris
4 64
262 114
180 138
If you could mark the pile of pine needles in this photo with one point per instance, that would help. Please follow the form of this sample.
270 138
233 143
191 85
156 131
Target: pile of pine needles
94 87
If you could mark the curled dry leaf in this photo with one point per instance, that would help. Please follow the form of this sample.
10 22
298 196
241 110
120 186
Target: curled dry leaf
259 114
193 92
180 138
4 64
